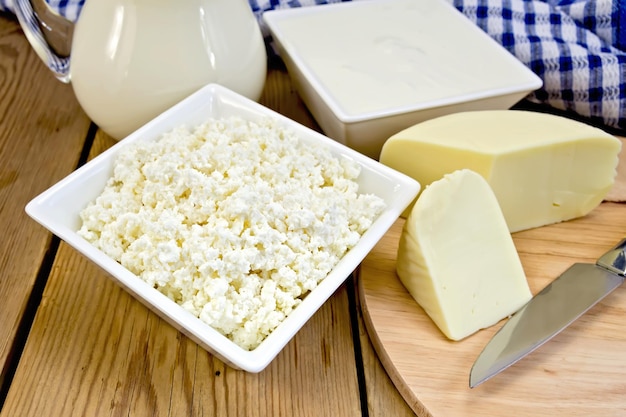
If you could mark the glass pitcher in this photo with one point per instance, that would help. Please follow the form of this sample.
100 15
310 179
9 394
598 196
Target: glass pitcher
129 60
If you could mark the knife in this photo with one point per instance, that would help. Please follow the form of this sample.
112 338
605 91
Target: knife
558 305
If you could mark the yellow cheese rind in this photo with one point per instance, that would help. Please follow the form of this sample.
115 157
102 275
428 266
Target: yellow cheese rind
457 259
543 168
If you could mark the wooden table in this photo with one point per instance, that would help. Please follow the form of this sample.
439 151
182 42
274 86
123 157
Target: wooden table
73 343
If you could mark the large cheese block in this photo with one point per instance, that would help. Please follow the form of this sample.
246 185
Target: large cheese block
457 259
543 168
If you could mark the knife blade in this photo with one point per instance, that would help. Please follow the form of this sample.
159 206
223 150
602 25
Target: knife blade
554 308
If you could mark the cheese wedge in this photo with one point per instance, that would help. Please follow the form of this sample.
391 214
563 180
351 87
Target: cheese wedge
543 168
457 259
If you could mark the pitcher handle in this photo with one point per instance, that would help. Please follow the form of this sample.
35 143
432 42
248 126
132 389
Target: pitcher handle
58 31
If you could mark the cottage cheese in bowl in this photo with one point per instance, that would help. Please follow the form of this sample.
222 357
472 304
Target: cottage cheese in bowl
232 222
235 221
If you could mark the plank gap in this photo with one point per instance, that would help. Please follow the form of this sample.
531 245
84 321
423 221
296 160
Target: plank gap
356 342
26 322
87 145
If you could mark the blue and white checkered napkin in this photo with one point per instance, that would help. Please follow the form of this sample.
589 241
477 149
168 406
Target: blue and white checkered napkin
577 47
69 9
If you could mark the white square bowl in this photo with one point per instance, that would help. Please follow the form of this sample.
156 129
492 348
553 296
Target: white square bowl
58 210
367 69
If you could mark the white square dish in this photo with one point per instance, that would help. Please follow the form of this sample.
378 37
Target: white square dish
58 208
367 69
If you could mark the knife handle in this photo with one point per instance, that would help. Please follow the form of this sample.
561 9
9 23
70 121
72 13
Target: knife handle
615 259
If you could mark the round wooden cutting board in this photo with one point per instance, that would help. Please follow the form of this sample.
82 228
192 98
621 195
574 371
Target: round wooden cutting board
580 372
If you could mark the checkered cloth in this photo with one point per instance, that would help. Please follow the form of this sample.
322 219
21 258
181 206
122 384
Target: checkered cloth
69 9
577 47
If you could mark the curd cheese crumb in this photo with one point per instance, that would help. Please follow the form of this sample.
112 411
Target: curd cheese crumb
235 221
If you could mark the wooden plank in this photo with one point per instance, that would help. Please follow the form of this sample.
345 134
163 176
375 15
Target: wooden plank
578 373
95 350
42 130
383 399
